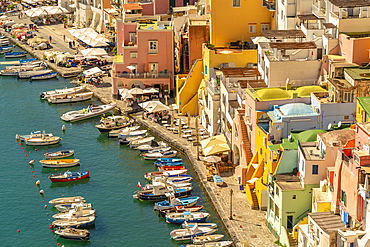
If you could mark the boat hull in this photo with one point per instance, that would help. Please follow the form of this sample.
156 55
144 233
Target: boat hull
144 197
31 142
55 100
56 180
66 117
73 237
104 129
60 155
59 164
74 225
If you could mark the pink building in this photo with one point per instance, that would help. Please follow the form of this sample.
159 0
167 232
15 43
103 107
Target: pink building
144 56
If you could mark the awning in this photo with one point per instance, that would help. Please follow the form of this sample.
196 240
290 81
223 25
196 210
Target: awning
92 71
94 52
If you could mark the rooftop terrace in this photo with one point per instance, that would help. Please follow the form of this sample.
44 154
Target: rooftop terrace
359 73
288 181
283 34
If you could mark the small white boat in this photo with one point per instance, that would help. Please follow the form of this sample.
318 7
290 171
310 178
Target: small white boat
130 139
151 175
212 244
189 217
151 147
67 207
127 134
67 200
139 142
113 123
78 211
73 234
64 91
189 233
29 74
75 222
91 111
34 134
156 155
43 141
70 98
45 76
62 163
115 133
207 238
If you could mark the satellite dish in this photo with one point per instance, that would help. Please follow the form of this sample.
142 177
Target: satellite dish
329 126
339 124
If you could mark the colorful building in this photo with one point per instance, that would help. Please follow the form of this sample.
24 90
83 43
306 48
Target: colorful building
363 109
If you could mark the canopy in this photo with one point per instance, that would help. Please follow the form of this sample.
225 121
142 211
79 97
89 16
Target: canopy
92 71
94 52
154 106
218 148
213 140
212 159
127 96
46 10
150 90
136 91
89 36
131 67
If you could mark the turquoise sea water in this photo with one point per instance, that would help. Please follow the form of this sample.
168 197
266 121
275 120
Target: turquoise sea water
114 170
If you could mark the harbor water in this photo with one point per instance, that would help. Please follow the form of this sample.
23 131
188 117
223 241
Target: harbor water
115 172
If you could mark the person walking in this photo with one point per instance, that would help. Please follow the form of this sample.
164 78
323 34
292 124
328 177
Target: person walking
73 43
50 39
64 38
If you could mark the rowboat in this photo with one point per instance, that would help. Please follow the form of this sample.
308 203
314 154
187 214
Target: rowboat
154 156
168 160
208 238
73 234
159 150
150 175
160 191
44 76
75 222
69 176
130 139
212 244
170 168
172 202
70 98
218 180
6 49
34 134
115 133
43 141
152 146
179 218
64 91
62 163
67 207
179 209
113 123
203 224
142 141
75 213
15 54
168 164
127 134
28 74
189 233
91 111
59 154
176 179
67 200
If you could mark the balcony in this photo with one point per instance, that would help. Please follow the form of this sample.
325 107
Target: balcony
269 4
318 10
213 86
141 75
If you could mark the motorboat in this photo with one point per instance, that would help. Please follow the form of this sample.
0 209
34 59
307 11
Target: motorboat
14 54
152 146
67 207
179 209
27 74
171 168
172 202
154 156
77 212
168 160
62 163
91 111
189 233
168 164
173 183
79 222
142 141
43 141
64 91
160 191
34 134
44 76
69 176
59 154
115 133
67 200
70 98
73 234
202 224
193 217
159 150
113 123
207 238
212 244
151 175
127 134
130 139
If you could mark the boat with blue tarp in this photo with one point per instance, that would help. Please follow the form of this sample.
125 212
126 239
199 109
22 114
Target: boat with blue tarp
172 202
15 54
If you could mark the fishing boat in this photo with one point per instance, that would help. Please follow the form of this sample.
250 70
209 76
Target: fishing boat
73 234
127 134
62 163
64 91
190 217
34 134
172 202
179 209
59 154
67 200
168 164
152 146
151 175
75 222
27 74
69 176
154 156
43 141
168 160
113 123
171 168
44 76
212 244
189 233
203 224
70 98
142 141
207 238
218 180
130 139
15 54
77 212
67 207
115 133
160 191
91 111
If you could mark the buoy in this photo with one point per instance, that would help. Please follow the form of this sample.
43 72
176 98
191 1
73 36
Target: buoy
63 127
27 158
41 191
51 226
17 136
30 151
26 155
49 219
31 162
43 201
55 237
23 150
20 143
62 195
37 182
46 206
30 167
19 230
32 171
41 196
55 169
47 213
33 175
22 147
36 149
53 231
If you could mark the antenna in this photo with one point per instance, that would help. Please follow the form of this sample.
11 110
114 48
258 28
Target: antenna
329 126
339 124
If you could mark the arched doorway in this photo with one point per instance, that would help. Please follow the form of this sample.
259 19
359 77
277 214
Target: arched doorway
236 155
136 83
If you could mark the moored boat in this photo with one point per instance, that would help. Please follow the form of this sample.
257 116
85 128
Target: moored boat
171 168
127 134
152 146
61 163
160 191
179 209
154 156
115 133
69 176
207 238
218 180
73 234
14 54
77 212
189 233
43 140
142 141
70 98
44 76
27 74
91 111
126 141
59 154
67 200
64 91
67 207
75 222
113 123
190 217
168 164
159 149
212 244
172 202
168 160
150 175
203 224
34 134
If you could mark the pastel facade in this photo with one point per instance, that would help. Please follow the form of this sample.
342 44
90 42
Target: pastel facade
363 109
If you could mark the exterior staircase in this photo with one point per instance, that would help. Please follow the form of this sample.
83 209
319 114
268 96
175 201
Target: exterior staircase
246 144
292 241
255 200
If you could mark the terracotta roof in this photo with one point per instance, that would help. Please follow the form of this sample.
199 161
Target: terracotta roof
276 34
341 136
293 45
131 6
350 3
329 25
242 72
327 221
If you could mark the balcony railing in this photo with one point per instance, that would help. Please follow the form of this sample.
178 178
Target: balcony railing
318 11
142 75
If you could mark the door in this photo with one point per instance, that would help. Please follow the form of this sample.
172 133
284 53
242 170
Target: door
289 223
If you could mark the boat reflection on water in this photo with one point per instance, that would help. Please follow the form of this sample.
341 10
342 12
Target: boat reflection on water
46 170
70 184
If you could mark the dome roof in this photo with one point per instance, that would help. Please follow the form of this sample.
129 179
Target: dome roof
272 94
296 109
307 90
308 135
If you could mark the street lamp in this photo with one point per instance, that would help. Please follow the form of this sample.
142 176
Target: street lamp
231 204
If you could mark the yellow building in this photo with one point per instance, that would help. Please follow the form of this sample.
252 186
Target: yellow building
238 20
363 109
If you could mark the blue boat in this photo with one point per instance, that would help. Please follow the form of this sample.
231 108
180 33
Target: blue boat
218 180
6 47
205 224
27 60
189 217
159 191
172 202
15 54
168 160
159 164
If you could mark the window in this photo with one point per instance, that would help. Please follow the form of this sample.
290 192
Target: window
277 212
294 197
267 72
343 197
277 190
315 169
271 205
236 3
346 117
252 28
205 70
264 27
347 97
133 54
282 14
357 159
133 38
153 68
351 245
302 165
153 47
359 111
236 131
